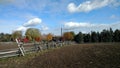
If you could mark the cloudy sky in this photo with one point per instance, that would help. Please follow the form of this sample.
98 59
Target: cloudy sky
49 15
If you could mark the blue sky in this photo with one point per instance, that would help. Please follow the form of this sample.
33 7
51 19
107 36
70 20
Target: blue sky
50 15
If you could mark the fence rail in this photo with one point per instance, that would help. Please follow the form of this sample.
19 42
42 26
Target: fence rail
24 49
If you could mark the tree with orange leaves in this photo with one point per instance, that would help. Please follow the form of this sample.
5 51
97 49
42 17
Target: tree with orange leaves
38 39
68 36
49 37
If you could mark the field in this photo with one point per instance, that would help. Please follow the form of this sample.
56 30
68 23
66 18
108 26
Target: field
11 45
8 45
96 55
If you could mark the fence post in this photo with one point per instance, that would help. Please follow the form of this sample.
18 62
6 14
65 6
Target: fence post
20 46
37 47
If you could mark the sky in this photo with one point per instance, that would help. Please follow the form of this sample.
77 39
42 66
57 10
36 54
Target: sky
49 16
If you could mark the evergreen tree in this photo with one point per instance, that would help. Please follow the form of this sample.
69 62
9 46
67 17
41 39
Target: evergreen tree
94 37
79 37
117 35
111 35
87 38
106 36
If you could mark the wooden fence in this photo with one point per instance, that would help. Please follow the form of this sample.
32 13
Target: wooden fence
24 49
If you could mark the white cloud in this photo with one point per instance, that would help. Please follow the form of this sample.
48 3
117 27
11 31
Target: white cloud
82 25
21 28
38 5
90 5
87 27
30 23
76 24
72 7
116 3
33 22
19 4
115 25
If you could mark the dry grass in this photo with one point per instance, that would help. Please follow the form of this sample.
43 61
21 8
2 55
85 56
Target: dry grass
75 56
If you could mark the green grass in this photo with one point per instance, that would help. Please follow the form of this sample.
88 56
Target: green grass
97 55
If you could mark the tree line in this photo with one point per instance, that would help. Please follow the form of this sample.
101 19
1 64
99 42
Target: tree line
33 34
104 36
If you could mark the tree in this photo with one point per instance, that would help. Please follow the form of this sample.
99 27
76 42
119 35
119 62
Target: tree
117 35
49 37
68 36
103 34
17 34
79 38
32 34
73 34
1 36
5 37
38 39
87 38
111 35
106 36
94 37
